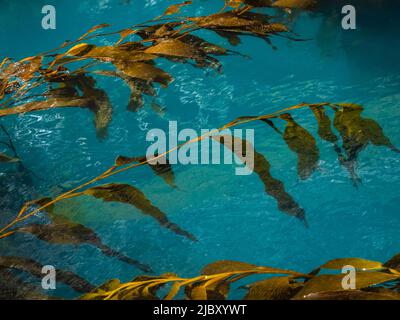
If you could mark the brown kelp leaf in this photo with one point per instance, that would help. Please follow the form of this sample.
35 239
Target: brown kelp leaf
393 263
44 105
35 268
13 288
273 187
357 263
208 291
357 132
160 166
175 8
99 104
144 71
324 124
232 38
223 266
137 87
67 232
328 282
177 49
353 295
123 52
275 288
300 141
92 29
295 4
125 193
6 158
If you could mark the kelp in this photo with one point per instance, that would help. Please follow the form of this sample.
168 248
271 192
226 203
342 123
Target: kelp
125 193
357 132
161 167
297 138
300 141
216 280
34 268
273 187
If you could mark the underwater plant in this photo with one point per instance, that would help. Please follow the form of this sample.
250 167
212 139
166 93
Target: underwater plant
375 281
58 78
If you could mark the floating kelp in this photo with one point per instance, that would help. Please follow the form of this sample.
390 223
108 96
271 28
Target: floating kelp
300 141
161 167
216 279
273 187
68 232
357 132
35 268
125 193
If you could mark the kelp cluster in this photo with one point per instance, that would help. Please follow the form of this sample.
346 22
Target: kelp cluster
66 77
374 281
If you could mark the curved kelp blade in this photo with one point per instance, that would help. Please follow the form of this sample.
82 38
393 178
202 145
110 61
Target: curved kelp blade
13 288
332 283
160 166
275 288
125 193
35 268
325 132
261 167
300 141
357 132
66 232
6 158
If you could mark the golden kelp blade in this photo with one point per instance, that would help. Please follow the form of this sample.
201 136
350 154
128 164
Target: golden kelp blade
35 268
125 193
357 132
300 141
295 4
330 282
275 288
324 123
365 294
162 168
73 233
273 187
175 8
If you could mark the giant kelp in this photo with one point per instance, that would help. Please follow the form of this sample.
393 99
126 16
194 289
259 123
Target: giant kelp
375 281
66 77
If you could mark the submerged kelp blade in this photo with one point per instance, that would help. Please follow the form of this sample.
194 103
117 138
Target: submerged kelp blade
162 167
393 263
300 141
324 124
67 232
175 8
44 105
125 193
357 132
275 288
144 71
6 158
357 263
328 282
295 4
224 266
35 268
273 187
100 103
13 288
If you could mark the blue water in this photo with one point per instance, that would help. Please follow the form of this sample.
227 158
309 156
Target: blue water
231 215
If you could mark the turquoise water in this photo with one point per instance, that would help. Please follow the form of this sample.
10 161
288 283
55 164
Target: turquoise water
231 215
